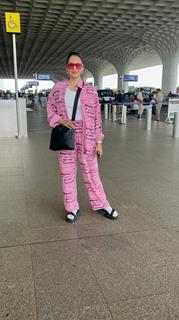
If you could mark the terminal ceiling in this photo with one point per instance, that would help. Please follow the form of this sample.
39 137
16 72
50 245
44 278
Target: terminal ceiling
103 31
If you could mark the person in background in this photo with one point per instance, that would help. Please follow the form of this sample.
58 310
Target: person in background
39 98
158 105
140 100
120 101
88 139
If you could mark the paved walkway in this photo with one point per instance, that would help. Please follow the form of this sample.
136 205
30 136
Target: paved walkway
96 269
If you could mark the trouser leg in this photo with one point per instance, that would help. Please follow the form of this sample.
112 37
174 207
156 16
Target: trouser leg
68 168
117 110
93 184
141 109
158 110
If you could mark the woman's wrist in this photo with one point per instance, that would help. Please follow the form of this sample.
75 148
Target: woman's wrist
61 121
99 141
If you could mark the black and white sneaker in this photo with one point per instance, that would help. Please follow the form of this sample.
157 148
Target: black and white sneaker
112 214
72 216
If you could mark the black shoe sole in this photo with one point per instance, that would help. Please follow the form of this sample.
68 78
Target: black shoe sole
106 214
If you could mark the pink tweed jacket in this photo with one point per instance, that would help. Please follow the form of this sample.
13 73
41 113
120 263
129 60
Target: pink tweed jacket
90 107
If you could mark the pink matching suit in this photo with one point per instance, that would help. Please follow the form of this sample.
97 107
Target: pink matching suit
87 133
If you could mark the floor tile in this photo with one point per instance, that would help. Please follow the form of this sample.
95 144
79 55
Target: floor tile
17 301
119 275
154 244
62 273
95 312
152 307
17 293
167 216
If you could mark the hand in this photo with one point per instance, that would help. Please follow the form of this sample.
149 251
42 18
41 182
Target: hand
68 123
99 150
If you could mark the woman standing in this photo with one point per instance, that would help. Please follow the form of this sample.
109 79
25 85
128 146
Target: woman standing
88 139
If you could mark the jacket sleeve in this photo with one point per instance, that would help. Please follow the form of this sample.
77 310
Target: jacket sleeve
98 121
52 114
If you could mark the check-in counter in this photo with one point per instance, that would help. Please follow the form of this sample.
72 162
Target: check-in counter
8 120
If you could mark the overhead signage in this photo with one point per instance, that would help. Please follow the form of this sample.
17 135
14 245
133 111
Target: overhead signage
13 22
32 83
130 77
44 77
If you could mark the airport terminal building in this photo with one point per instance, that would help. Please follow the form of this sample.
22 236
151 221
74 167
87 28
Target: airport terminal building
94 268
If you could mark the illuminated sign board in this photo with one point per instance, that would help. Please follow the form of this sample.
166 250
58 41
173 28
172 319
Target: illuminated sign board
130 77
44 77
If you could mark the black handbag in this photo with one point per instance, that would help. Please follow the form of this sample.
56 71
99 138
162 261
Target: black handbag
63 138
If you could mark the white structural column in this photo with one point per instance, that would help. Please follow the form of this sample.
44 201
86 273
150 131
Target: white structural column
119 80
86 74
170 72
121 70
98 79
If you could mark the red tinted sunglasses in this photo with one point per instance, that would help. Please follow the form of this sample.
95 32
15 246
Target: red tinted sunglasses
71 66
